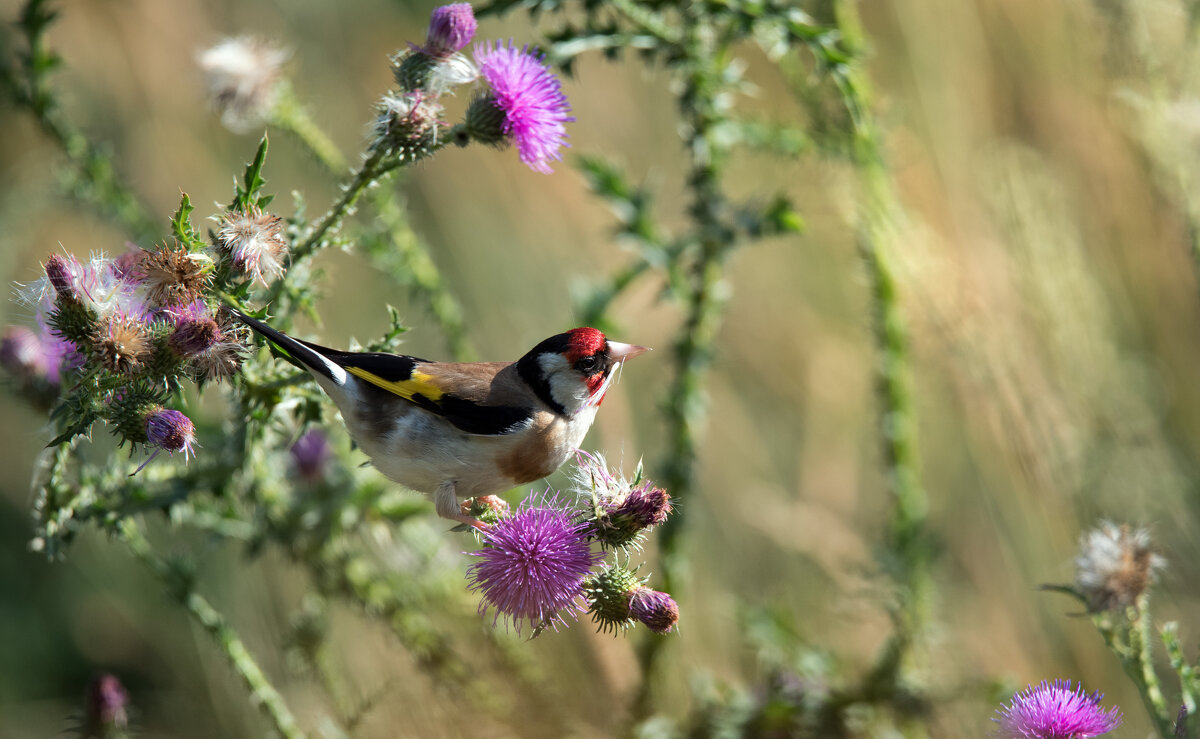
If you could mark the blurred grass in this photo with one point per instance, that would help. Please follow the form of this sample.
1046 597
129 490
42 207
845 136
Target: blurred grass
1044 269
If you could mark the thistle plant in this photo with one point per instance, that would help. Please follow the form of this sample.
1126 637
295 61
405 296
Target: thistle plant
138 341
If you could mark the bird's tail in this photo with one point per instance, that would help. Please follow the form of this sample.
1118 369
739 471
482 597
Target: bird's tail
309 356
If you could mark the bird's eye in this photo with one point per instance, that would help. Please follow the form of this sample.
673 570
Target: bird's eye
587 364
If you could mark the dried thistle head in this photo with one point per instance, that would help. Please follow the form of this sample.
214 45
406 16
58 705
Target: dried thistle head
223 358
255 243
173 275
243 76
1115 565
121 343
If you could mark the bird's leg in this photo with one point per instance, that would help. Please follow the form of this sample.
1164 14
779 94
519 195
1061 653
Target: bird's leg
445 501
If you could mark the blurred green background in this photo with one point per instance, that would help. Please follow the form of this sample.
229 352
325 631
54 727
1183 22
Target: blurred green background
1044 271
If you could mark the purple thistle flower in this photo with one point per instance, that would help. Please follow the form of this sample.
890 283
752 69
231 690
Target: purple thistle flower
533 564
451 27
531 100
171 430
1055 711
104 706
21 353
310 453
658 611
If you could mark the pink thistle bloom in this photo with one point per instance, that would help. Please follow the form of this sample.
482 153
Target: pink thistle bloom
531 100
533 564
1055 711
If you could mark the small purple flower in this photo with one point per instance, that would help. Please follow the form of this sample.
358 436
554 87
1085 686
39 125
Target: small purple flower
533 564
105 706
195 336
171 430
310 453
1052 710
451 27
658 611
530 99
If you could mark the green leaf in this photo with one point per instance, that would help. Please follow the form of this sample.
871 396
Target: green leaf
246 194
181 226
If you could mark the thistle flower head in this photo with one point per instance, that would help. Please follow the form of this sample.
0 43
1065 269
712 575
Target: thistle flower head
310 453
194 336
170 430
1053 710
658 611
407 120
121 343
533 564
1115 565
451 28
243 76
105 706
622 509
21 353
524 104
64 274
254 242
174 276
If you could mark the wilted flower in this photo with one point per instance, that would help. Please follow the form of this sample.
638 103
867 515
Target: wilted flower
407 120
1115 565
622 510
1055 711
524 104
254 242
121 343
171 430
310 452
173 276
451 28
533 564
105 707
243 76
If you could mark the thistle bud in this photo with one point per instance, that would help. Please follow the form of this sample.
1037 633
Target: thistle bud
194 336
310 453
171 430
105 707
658 611
607 593
63 273
451 28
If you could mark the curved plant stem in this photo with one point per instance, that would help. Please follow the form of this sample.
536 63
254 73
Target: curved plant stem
262 693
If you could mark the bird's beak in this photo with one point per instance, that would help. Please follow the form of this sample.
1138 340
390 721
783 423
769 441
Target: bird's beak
620 352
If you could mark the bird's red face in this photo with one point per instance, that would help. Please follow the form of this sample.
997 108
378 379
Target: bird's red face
572 371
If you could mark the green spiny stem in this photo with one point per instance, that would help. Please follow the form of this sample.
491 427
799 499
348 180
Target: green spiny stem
1189 687
907 542
1129 641
262 692
93 178
705 301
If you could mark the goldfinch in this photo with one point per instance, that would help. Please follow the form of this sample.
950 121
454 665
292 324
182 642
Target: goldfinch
465 429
